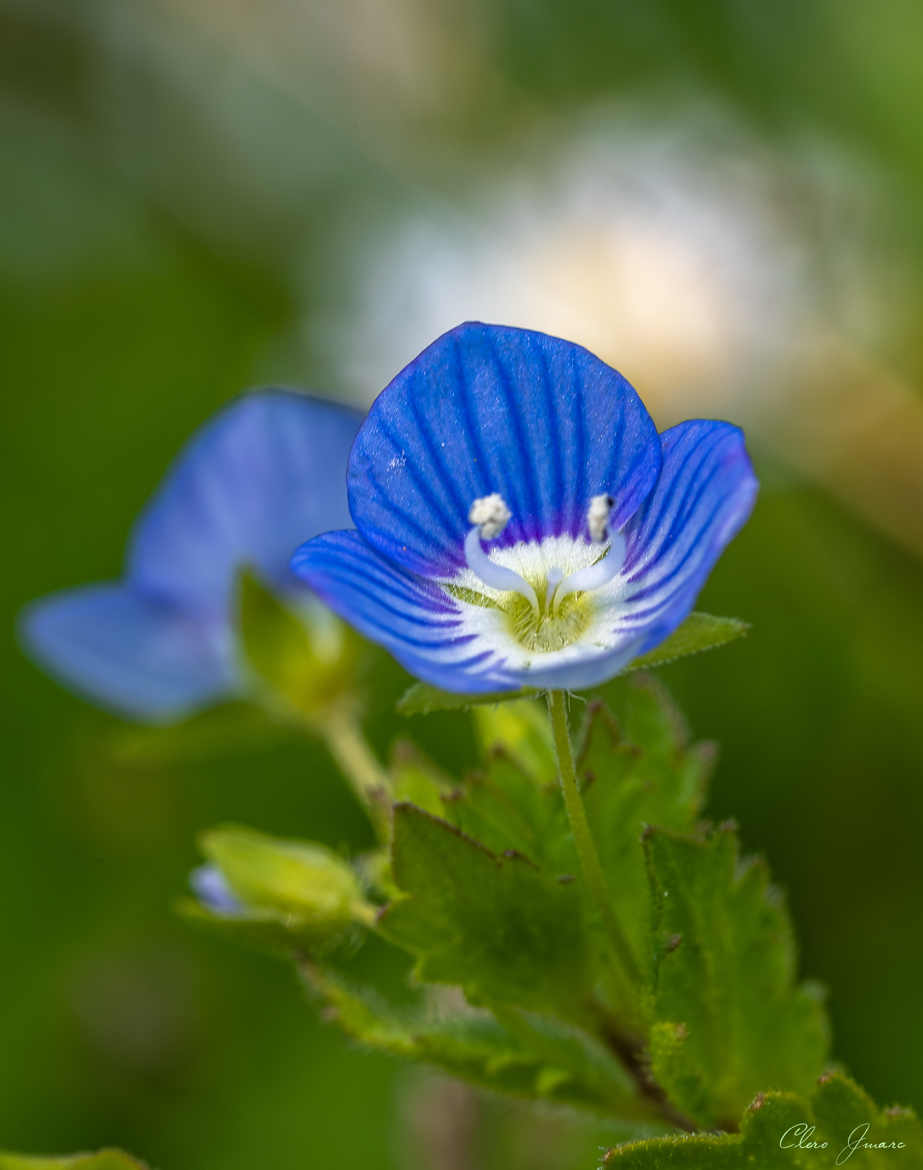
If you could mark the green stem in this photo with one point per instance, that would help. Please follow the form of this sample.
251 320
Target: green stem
583 838
359 765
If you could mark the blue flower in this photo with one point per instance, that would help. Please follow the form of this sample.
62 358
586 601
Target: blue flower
254 481
520 521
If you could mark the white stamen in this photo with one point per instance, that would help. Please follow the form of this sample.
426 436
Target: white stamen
489 515
597 517
594 576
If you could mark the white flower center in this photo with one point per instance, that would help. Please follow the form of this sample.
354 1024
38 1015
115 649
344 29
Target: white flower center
544 603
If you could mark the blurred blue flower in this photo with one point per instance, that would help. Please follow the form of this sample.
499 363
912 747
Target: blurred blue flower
600 531
254 481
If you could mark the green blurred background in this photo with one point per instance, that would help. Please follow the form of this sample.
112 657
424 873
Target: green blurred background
721 199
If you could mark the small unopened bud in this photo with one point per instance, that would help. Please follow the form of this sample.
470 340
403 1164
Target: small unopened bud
293 877
490 515
597 517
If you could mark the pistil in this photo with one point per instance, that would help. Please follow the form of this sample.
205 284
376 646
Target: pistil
594 576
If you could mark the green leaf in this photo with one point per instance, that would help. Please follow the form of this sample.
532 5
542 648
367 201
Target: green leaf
423 699
784 1131
494 925
634 770
523 730
637 770
841 1112
527 1057
303 662
415 779
729 1017
103 1160
504 807
700 631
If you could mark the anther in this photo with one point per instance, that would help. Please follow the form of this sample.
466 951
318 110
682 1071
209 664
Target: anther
490 515
597 517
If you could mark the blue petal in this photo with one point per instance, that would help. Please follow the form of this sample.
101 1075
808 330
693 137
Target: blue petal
257 480
135 656
408 615
211 887
704 495
589 666
489 408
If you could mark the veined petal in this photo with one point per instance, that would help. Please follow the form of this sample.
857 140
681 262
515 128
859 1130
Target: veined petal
136 656
486 409
267 473
704 495
582 665
413 618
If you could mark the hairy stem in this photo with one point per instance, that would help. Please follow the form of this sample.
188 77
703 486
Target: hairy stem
359 765
583 838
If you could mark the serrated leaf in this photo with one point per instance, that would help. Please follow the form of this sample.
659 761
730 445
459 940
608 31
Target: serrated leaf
635 770
842 1111
784 1130
585 1058
494 925
647 715
638 770
504 807
103 1160
756 1145
423 699
729 1017
540 1058
700 631
415 779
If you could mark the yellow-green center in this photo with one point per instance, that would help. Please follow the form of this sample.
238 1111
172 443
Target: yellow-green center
546 630
549 628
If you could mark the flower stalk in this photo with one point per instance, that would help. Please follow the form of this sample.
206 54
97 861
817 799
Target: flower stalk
358 763
583 838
